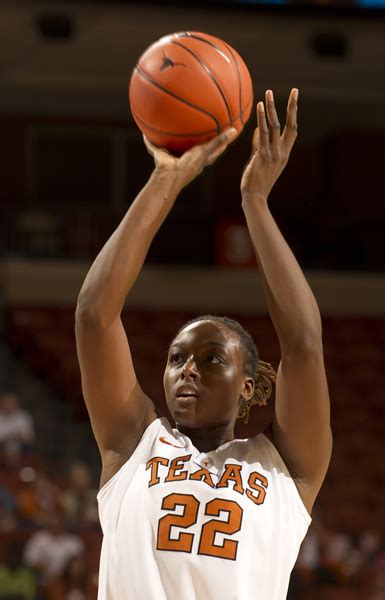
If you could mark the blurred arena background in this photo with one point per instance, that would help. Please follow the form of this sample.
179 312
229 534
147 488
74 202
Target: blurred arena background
72 161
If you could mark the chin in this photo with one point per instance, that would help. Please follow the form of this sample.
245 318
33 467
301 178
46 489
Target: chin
183 416
186 418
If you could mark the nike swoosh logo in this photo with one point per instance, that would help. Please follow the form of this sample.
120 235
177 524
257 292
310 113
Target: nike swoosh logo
163 439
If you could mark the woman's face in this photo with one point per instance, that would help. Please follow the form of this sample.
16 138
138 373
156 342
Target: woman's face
204 378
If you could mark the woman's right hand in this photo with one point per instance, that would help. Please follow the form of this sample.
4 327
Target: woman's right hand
188 166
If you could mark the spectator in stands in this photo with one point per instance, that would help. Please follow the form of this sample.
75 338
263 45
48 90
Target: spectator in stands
16 580
330 558
37 497
75 583
336 548
49 550
78 501
346 558
8 519
17 433
370 544
371 552
308 561
377 588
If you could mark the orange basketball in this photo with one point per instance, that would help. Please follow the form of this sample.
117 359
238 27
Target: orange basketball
187 88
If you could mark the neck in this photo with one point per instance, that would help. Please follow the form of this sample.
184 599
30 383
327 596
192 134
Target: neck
206 440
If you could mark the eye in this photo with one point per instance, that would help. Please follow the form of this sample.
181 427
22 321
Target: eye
175 357
213 360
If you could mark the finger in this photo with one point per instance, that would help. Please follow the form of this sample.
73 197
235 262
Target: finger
290 131
255 142
150 147
213 157
220 140
154 149
275 127
264 141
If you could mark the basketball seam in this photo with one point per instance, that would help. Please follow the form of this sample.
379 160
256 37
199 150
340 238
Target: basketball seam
208 71
170 133
188 34
148 78
239 82
182 135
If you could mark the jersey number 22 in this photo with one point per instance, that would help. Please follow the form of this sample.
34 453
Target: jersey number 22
206 545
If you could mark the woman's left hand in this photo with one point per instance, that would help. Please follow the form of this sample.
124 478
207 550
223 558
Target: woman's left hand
270 148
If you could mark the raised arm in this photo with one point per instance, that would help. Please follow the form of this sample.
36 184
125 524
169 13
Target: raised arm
301 427
119 409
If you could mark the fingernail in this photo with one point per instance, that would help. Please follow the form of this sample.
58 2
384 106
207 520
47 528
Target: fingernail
231 133
261 107
295 93
270 95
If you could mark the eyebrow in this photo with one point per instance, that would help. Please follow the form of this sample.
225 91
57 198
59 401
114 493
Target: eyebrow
208 343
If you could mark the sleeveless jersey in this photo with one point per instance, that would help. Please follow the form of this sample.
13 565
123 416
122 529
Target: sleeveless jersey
180 524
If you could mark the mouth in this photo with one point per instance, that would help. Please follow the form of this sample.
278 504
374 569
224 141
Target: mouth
186 398
186 390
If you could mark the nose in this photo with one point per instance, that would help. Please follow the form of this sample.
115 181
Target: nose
190 370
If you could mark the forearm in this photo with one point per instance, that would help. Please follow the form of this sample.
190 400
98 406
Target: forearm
291 303
117 266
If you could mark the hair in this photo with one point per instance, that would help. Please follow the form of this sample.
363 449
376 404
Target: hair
262 372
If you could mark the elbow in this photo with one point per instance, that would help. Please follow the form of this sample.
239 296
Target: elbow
97 312
87 314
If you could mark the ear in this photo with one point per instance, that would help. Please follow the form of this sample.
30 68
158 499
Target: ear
248 389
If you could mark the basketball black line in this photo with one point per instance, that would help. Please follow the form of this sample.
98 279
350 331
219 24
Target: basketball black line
188 34
239 81
160 87
177 135
207 69
171 134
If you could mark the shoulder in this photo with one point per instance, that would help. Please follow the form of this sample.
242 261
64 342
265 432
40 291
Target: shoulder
256 450
266 453
113 462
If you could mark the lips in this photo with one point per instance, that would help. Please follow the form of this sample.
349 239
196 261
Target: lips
186 391
185 401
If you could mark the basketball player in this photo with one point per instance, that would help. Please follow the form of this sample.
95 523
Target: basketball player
190 513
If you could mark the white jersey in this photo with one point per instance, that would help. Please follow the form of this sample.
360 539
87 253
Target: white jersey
180 524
